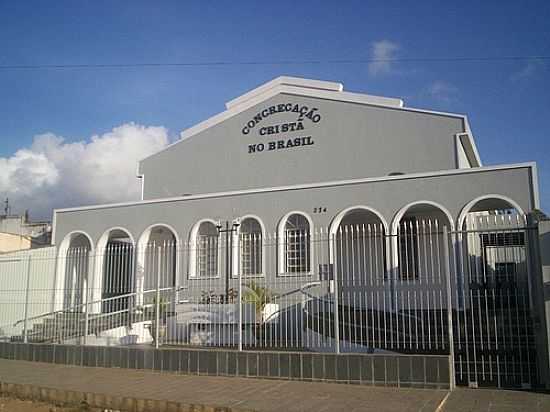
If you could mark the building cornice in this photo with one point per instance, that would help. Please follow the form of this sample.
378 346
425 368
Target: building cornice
452 172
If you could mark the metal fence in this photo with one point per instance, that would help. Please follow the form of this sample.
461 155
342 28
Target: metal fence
424 289
495 307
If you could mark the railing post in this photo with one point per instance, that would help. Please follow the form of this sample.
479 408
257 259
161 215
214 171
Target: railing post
27 291
89 281
240 299
448 240
157 302
336 299
86 328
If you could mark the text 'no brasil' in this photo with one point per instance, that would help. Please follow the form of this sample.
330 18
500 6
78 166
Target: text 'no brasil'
281 144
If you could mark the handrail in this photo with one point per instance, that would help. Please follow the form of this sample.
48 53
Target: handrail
300 289
72 308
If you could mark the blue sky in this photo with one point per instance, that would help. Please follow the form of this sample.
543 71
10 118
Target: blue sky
507 102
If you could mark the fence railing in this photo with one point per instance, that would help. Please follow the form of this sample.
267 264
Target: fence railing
423 289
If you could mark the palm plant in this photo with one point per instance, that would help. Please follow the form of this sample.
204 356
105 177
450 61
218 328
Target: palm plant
259 296
163 306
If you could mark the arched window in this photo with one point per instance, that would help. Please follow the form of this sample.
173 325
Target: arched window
251 244
296 244
207 250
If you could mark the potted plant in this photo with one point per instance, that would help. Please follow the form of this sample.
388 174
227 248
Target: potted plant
259 296
151 313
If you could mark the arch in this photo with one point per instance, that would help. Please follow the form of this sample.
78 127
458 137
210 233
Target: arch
338 255
470 205
105 237
69 237
282 241
238 245
411 257
149 260
399 215
255 217
147 231
73 269
338 218
195 229
193 261
355 251
104 284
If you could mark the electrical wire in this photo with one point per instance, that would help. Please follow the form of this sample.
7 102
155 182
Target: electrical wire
267 62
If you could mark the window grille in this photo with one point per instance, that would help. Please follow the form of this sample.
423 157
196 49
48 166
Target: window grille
207 250
297 245
251 247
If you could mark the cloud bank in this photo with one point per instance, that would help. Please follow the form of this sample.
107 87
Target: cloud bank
53 173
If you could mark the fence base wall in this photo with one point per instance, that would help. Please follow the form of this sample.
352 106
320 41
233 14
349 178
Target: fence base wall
421 371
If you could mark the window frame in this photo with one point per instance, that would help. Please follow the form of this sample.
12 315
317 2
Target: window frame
237 253
281 249
194 249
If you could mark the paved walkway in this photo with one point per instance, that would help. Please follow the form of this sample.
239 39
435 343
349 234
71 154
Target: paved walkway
262 395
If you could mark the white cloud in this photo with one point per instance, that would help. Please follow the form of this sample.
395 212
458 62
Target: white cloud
382 53
442 92
52 173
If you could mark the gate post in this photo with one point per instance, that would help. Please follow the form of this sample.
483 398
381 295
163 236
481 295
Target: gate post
448 240
538 256
240 294
335 300
27 291
157 301
89 283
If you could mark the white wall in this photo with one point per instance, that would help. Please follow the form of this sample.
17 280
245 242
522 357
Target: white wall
14 269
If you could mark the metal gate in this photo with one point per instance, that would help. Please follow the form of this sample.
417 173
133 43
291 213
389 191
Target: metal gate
494 338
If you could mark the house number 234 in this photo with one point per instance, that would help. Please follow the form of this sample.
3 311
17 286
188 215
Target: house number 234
319 209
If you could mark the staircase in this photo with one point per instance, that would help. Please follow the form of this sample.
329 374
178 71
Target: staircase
62 326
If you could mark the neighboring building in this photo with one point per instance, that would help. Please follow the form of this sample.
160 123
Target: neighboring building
19 233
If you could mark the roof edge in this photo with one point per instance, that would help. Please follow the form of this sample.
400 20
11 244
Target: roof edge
286 81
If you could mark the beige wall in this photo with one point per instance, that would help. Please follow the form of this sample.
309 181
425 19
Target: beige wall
10 242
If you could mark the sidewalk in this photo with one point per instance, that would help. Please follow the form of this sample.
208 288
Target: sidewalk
236 393
262 395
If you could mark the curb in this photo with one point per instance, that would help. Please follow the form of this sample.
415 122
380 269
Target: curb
90 401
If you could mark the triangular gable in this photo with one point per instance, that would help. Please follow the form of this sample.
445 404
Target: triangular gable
288 85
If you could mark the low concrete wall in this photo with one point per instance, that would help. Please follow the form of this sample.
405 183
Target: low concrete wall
423 371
